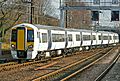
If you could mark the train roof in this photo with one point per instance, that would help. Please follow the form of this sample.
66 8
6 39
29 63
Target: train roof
39 26
48 27
58 28
51 27
106 32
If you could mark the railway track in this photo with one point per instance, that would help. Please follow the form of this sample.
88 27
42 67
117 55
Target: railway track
8 64
67 71
35 70
13 65
102 75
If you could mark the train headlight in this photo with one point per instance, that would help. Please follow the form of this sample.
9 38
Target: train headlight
13 46
30 47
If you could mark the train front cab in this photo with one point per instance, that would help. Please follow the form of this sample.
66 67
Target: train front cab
22 42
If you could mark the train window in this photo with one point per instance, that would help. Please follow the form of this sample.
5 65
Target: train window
14 35
77 37
100 37
105 37
96 1
30 36
58 37
115 37
110 38
86 37
93 37
69 37
115 1
44 37
38 36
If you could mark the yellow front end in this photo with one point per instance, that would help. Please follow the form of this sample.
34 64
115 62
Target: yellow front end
22 42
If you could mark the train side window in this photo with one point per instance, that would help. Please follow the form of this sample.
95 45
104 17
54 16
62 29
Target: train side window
93 37
96 1
77 37
115 37
58 37
115 1
44 37
100 37
105 37
86 37
38 36
110 37
53 38
14 35
70 37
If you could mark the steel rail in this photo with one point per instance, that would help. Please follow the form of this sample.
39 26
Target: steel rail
47 76
102 75
80 70
12 65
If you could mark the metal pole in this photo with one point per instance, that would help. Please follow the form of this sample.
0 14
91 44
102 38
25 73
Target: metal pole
66 17
61 15
31 11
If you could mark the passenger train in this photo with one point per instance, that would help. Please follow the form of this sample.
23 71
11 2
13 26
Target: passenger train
30 41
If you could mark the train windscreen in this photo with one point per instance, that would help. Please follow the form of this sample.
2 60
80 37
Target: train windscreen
14 35
30 36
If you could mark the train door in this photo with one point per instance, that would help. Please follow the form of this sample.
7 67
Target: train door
21 43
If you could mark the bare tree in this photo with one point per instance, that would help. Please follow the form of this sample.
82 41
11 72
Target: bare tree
42 11
10 14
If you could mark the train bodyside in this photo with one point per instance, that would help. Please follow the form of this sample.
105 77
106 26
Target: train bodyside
30 41
73 39
109 38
